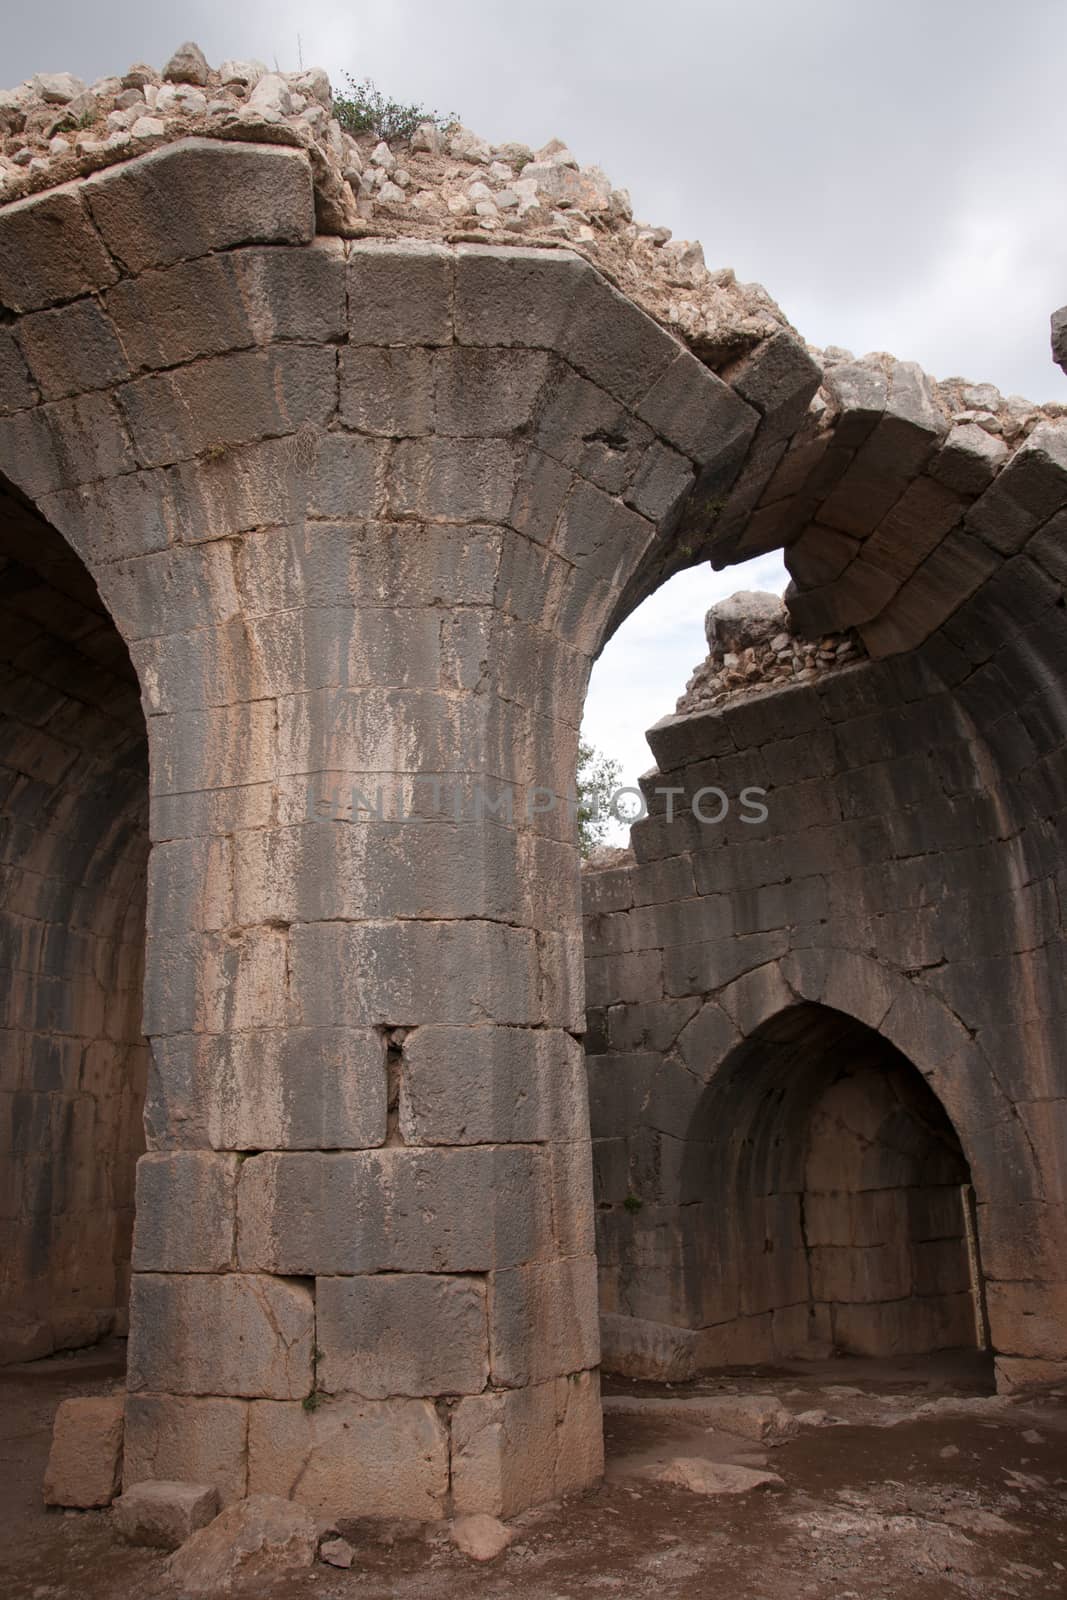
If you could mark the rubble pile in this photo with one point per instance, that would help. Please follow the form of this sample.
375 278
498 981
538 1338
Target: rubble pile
750 645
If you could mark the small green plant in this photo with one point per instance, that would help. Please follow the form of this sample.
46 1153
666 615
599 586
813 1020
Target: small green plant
364 109
312 1401
633 1204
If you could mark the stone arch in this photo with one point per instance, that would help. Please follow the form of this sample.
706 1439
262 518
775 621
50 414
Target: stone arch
75 831
829 1199
362 511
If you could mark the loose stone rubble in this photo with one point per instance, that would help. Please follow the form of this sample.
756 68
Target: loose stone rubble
750 643
245 1548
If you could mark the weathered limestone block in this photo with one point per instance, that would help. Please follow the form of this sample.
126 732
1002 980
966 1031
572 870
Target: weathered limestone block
479 393
490 1085
416 972
519 1447
516 296
186 1212
196 196
16 389
1027 1319
287 1089
779 378
85 1461
692 409
50 251
249 1545
219 303
395 1210
399 293
236 1334
362 871
969 459
1030 489
164 1514
402 1334
637 1348
178 1438
372 1458
463 481
228 400
72 348
543 1321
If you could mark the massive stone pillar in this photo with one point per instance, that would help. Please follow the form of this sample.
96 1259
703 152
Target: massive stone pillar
363 513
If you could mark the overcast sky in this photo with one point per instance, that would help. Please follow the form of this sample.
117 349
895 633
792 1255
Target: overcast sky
893 174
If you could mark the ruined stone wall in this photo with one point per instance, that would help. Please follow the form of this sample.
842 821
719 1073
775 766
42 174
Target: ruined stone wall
364 502
908 876
74 771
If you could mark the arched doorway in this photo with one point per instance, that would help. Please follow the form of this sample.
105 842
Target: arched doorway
74 832
828 1201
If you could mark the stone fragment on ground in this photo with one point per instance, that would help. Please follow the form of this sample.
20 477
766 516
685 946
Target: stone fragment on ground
756 1416
163 1513
480 1537
249 1544
713 1477
85 1463
337 1553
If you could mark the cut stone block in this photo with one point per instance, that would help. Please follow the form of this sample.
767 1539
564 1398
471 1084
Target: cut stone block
198 195
164 1514
179 1438
350 1458
401 1334
50 251
394 1210
519 1447
234 1334
85 1462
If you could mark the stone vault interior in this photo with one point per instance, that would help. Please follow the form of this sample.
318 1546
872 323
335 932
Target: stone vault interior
824 1192
73 768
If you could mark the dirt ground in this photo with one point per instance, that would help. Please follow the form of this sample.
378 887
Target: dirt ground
914 1482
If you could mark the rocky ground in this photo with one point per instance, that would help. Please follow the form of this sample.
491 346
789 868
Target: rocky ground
906 1480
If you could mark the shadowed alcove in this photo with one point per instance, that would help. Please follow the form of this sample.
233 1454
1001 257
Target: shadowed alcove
826 1201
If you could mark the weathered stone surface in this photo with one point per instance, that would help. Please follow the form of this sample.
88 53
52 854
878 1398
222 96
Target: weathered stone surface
637 1348
337 1553
395 1210
249 1545
71 349
480 1537
85 1462
402 1334
543 1321
196 196
714 1477
228 400
234 1334
286 1089
399 294
389 1458
188 64
491 1085
519 1447
164 1514
186 1208
176 1438
516 296
50 251
229 301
